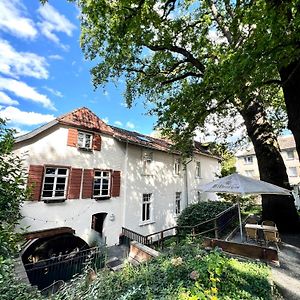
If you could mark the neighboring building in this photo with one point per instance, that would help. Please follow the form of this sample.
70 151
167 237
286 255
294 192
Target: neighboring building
97 178
246 163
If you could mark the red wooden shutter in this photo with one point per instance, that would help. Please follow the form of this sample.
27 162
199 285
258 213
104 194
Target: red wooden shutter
75 183
97 142
72 137
35 181
116 184
87 186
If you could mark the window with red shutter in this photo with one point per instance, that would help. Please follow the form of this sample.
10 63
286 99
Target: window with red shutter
97 142
87 185
35 181
116 184
75 183
72 137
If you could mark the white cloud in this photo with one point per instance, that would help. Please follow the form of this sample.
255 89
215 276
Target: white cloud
118 123
22 90
16 63
14 21
19 131
130 125
54 92
56 57
105 120
16 116
4 99
53 21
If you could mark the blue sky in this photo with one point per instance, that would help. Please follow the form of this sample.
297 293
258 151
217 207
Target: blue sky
43 73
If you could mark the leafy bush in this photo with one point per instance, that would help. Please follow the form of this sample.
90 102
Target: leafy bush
186 272
200 212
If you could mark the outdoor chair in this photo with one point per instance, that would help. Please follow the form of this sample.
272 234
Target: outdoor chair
272 236
268 223
251 233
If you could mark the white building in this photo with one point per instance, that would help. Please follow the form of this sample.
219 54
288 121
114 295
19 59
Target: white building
246 163
97 178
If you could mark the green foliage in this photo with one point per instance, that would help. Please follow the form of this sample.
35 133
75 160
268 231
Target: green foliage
12 193
187 272
200 212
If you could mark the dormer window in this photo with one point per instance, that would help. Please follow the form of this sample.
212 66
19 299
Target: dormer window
84 140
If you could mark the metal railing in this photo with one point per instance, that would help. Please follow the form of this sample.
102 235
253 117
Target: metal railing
43 273
219 224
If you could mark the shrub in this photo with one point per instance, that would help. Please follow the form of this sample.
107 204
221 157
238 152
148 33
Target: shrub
200 212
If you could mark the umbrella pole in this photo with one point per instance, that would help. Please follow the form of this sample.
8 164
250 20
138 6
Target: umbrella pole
240 221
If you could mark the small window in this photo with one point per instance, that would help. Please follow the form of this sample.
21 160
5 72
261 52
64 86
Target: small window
84 140
146 207
177 164
198 169
177 203
248 160
55 183
293 172
290 154
249 173
101 188
147 160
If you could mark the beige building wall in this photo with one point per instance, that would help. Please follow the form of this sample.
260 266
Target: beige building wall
159 180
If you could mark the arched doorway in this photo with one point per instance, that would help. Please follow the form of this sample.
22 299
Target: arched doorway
97 222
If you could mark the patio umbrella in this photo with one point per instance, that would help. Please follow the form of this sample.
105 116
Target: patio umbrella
242 185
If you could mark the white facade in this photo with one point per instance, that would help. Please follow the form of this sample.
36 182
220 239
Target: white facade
157 179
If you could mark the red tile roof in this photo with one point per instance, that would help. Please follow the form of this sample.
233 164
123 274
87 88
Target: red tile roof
84 118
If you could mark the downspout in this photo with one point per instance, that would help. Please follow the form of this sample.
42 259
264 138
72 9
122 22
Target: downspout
186 182
125 184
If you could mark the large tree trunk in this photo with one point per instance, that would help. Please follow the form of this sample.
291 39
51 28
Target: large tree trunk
280 209
290 77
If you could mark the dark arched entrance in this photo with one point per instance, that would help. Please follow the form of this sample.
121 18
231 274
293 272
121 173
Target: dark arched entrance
54 258
97 222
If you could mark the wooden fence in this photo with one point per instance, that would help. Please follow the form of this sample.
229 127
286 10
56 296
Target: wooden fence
217 226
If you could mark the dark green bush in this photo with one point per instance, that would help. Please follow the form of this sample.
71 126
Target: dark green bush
200 212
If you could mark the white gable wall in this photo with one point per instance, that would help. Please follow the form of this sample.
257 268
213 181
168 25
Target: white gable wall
50 148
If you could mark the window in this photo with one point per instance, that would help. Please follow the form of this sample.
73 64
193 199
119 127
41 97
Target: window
147 159
198 169
293 172
84 140
248 160
249 173
177 203
101 184
177 164
146 207
290 154
55 183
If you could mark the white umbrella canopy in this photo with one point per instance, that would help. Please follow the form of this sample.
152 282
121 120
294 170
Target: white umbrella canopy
242 185
239 184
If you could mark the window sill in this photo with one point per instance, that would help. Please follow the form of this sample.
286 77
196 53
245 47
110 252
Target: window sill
146 223
101 198
53 200
85 149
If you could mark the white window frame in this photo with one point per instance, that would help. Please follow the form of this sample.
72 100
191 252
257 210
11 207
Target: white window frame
82 145
293 174
198 169
55 176
147 161
102 176
288 157
178 203
147 200
177 166
248 160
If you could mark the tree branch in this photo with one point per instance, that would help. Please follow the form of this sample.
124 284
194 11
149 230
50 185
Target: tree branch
188 55
180 77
